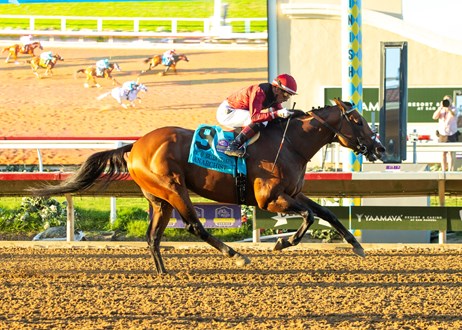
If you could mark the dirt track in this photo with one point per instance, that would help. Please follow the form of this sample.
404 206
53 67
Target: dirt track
297 289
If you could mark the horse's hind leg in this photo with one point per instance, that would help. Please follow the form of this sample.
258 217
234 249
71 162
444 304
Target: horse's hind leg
161 213
194 226
177 195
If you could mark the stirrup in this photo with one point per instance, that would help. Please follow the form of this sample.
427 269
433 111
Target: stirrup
235 152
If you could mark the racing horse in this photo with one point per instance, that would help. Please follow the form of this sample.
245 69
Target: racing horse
36 62
16 49
157 59
120 95
158 163
91 74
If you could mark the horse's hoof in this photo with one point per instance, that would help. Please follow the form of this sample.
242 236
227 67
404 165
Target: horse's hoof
281 244
241 260
359 251
98 86
86 85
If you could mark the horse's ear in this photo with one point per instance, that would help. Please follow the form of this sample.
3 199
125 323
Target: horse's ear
340 104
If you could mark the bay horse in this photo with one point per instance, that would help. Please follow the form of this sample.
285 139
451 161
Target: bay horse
91 74
157 59
16 49
158 163
36 62
119 94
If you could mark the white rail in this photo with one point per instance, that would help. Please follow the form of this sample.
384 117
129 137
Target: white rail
166 28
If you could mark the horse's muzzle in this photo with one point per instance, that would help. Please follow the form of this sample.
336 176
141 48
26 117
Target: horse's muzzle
376 151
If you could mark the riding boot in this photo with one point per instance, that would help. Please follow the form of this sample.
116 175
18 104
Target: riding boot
234 149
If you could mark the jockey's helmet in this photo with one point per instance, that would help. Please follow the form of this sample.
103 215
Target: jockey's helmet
286 82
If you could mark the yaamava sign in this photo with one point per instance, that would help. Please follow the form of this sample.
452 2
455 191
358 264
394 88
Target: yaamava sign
374 218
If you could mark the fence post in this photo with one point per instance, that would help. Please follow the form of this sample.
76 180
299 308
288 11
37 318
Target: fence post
63 24
70 218
256 231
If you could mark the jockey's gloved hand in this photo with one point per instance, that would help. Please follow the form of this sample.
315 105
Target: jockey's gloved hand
284 113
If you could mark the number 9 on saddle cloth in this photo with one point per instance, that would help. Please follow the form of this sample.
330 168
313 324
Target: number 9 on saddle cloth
207 150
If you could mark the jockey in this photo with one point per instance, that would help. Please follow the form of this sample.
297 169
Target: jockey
129 86
26 41
46 58
245 108
167 57
102 65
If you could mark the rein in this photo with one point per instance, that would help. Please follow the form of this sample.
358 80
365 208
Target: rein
361 148
282 140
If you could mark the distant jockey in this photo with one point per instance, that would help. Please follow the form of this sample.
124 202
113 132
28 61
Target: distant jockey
102 65
26 41
129 86
46 58
167 57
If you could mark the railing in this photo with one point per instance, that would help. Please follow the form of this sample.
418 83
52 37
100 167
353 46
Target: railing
139 27
324 184
370 184
39 143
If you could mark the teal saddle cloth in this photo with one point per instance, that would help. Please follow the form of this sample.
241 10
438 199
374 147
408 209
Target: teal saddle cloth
207 150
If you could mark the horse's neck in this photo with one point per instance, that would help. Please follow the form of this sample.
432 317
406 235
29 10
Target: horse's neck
302 137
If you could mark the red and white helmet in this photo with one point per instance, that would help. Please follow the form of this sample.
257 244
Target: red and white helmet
286 82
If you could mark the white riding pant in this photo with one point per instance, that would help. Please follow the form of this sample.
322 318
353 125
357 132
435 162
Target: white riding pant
233 118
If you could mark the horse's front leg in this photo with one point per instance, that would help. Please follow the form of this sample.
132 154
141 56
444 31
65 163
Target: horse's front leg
325 214
308 220
166 70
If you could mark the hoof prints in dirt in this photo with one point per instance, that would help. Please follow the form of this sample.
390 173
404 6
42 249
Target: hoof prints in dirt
298 289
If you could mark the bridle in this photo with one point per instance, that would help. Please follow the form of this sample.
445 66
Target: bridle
360 147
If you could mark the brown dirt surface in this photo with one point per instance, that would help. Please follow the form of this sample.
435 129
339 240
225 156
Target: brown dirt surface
60 106
114 288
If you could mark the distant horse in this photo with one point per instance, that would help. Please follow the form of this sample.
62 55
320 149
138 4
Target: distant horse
16 49
157 59
91 74
158 163
36 62
120 95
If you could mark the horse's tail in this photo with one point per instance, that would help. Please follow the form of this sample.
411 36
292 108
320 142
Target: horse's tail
147 60
108 165
102 96
78 71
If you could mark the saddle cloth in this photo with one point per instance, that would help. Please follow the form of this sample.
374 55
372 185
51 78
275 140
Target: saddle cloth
207 150
166 60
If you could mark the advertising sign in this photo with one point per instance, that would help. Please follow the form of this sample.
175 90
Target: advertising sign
211 216
455 218
371 217
421 103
